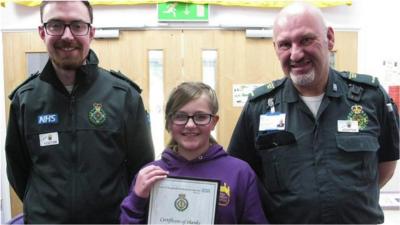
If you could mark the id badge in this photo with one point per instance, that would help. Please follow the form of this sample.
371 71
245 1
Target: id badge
272 121
48 139
347 126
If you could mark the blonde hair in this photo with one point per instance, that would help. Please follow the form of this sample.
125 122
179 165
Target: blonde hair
184 93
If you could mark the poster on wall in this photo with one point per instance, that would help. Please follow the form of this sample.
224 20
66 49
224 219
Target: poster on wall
391 79
240 93
391 70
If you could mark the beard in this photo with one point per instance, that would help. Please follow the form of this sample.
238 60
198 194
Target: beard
68 61
303 79
67 64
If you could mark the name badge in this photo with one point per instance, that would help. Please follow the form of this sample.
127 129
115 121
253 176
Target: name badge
48 139
272 121
349 126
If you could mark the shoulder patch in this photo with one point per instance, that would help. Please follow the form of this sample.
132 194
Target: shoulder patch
265 89
123 77
360 78
31 77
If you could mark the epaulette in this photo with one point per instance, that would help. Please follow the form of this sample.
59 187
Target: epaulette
123 77
265 89
31 77
360 78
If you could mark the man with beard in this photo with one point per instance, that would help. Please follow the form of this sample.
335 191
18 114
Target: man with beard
76 133
340 139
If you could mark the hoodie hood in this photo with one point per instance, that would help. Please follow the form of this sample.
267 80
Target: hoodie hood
172 159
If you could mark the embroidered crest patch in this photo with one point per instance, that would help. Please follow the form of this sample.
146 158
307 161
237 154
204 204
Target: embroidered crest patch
97 116
224 195
357 114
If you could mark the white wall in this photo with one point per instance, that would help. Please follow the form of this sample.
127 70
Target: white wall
377 22
379 39
379 36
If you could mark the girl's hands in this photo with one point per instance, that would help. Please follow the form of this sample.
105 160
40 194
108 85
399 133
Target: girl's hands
146 178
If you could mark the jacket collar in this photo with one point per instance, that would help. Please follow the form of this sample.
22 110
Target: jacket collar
334 89
85 75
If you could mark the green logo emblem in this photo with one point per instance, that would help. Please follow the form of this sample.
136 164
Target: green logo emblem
357 114
97 116
181 203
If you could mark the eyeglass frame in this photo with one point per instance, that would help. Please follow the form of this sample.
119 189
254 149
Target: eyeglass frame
89 25
210 116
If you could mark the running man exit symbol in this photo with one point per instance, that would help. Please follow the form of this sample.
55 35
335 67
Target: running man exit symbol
182 12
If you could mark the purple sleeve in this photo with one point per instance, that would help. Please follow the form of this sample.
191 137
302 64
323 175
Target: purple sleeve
133 209
253 212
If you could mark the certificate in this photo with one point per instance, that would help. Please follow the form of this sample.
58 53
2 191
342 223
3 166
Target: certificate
183 200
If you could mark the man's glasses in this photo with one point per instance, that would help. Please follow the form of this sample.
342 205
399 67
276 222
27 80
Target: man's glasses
199 119
57 28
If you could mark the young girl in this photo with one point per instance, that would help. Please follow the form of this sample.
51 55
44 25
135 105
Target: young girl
191 115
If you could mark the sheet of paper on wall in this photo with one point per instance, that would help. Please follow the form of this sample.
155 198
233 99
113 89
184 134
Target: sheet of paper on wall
391 71
240 93
391 79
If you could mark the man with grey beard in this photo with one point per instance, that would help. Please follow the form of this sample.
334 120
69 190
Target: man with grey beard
322 142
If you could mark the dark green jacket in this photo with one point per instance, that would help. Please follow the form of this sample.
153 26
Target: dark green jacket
311 172
71 157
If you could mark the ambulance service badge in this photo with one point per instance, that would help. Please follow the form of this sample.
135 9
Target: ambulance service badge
357 114
97 116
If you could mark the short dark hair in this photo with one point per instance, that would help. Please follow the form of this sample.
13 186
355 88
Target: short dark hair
86 3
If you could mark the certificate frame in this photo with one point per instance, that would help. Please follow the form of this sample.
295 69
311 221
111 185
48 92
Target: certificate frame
183 200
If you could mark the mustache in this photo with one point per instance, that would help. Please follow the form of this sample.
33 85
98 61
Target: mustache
67 44
299 62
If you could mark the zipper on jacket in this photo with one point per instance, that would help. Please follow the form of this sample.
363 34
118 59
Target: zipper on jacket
74 156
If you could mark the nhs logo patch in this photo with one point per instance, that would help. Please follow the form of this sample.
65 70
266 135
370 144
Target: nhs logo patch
48 119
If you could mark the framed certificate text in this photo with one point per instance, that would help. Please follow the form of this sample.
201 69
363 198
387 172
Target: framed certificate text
183 200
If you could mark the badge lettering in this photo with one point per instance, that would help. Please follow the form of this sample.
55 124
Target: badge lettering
47 119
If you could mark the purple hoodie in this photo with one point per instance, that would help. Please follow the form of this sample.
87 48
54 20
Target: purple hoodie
239 201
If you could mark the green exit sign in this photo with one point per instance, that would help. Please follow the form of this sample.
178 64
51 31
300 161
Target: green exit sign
181 12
